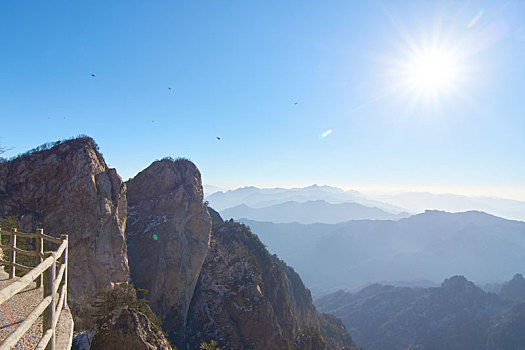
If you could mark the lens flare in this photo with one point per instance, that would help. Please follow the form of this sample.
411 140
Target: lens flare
326 133
475 20
155 237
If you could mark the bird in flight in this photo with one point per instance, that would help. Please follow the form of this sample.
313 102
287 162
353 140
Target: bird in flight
295 103
93 75
169 88
218 138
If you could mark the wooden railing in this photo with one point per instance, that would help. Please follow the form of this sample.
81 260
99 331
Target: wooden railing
55 284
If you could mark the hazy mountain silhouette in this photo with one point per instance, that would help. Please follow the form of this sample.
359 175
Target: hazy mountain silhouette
264 197
428 246
209 189
413 202
418 202
310 212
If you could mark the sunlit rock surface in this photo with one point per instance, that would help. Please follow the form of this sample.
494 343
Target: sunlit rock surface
67 188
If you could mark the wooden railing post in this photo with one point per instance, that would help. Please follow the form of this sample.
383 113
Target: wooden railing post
65 259
49 313
12 255
40 250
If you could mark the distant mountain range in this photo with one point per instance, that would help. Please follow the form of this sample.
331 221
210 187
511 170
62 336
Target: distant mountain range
454 316
411 202
428 246
418 202
310 212
209 189
264 197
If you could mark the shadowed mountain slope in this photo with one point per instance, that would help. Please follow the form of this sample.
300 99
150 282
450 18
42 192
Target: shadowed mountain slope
457 315
247 299
428 246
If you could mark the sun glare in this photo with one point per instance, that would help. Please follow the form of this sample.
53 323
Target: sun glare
428 68
432 71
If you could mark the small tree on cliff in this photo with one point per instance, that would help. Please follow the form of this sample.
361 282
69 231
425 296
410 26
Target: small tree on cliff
3 150
210 346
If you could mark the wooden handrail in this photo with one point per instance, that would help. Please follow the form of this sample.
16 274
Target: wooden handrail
24 281
55 285
17 265
61 249
32 235
58 279
42 344
20 234
21 251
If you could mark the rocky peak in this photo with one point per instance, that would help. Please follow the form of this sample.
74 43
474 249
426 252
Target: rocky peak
163 177
514 289
458 284
168 236
66 187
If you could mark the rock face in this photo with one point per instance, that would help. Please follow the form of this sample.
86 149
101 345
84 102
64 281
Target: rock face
168 237
67 188
124 328
248 299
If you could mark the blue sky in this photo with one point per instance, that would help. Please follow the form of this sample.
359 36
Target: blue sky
237 69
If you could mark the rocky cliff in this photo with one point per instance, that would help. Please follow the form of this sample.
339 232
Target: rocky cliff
240 296
67 188
248 299
168 236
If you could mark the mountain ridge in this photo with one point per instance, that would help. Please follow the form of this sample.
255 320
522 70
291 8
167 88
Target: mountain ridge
310 212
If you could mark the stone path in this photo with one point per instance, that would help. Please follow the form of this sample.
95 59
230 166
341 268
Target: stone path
17 308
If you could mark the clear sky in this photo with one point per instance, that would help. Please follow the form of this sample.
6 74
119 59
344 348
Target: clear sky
358 94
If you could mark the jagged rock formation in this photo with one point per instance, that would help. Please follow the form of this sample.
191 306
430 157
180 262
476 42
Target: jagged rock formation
124 328
67 188
168 236
514 289
456 315
248 299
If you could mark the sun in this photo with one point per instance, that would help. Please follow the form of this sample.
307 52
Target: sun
432 71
